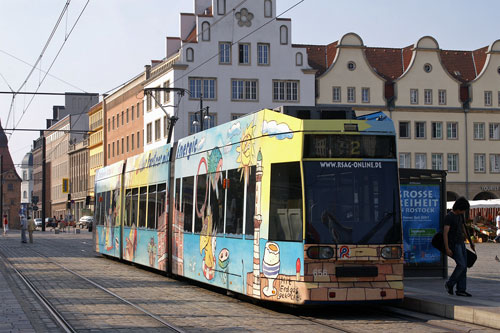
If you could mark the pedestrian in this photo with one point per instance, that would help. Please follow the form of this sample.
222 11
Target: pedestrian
454 242
31 228
5 224
24 226
497 238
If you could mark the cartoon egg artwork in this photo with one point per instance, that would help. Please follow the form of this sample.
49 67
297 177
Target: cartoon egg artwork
223 258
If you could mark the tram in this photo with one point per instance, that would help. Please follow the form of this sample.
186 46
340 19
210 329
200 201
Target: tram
271 205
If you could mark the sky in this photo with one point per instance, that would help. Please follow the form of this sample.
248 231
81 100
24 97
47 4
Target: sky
114 39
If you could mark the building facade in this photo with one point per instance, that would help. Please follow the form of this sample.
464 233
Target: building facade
38 177
222 65
123 121
11 189
27 184
96 144
444 103
79 178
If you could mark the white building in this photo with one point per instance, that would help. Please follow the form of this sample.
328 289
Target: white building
27 180
238 57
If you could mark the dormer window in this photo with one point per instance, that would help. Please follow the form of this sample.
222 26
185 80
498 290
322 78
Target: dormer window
221 7
189 54
299 59
268 8
427 68
351 65
205 31
283 34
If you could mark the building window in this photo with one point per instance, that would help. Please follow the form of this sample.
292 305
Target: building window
117 120
244 54
127 116
139 139
157 129
487 98
351 94
221 7
225 53
205 34
479 131
428 96
123 146
263 54
404 129
419 130
495 131
437 161
132 141
299 59
404 160
132 112
189 54
139 109
499 98
113 149
452 162
365 95
480 163
128 144
427 68
113 122
283 34
25 195
117 147
166 94
336 94
494 163
197 86
452 131
442 96
351 65
149 102
109 124
123 118
421 160
437 130
285 91
149 133
109 151
165 126
235 116
244 90
268 8
194 126
413 96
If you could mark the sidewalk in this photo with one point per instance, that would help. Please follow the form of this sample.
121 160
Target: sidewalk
428 295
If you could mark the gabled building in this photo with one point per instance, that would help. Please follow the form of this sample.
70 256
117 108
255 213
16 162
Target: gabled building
226 64
11 189
445 104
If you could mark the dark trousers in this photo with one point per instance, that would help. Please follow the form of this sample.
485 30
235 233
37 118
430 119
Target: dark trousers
459 275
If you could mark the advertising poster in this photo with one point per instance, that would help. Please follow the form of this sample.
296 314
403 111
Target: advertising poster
420 206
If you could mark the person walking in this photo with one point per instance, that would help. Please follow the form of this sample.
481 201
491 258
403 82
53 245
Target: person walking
5 224
24 226
454 242
31 228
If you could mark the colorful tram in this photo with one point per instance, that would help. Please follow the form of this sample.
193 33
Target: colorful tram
272 206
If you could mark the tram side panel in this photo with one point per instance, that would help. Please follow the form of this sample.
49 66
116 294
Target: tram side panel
146 188
108 209
221 208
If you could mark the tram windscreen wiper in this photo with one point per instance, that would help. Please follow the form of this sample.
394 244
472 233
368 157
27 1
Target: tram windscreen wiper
375 228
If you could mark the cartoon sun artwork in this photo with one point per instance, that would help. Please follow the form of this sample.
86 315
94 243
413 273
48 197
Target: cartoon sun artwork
246 151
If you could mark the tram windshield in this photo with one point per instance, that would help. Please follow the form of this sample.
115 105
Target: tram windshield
352 202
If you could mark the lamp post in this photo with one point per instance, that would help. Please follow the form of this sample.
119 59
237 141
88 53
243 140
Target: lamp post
203 110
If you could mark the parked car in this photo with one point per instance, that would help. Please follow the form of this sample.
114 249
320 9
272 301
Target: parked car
85 221
50 223
38 222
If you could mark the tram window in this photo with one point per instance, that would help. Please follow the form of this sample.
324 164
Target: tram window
97 211
217 201
161 197
151 207
250 212
113 213
102 211
285 213
126 212
187 203
201 202
177 204
235 195
107 208
142 206
133 210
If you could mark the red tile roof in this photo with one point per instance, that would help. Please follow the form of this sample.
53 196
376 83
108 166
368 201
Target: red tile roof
480 58
316 55
387 62
459 64
193 36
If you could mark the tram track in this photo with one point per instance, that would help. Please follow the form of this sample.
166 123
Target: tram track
58 316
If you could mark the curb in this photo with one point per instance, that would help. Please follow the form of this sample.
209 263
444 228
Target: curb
455 312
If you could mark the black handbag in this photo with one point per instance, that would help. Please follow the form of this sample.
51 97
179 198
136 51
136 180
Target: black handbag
438 241
471 258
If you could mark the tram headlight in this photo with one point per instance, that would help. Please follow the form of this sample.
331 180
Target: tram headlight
320 252
391 252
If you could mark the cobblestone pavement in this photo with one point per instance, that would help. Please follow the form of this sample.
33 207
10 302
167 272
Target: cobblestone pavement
181 303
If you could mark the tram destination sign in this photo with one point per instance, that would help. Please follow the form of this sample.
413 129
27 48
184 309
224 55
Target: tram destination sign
349 146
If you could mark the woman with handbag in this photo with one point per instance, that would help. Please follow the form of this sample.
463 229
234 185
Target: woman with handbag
454 242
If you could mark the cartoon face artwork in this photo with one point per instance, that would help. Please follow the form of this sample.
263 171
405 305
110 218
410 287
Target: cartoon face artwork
246 151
